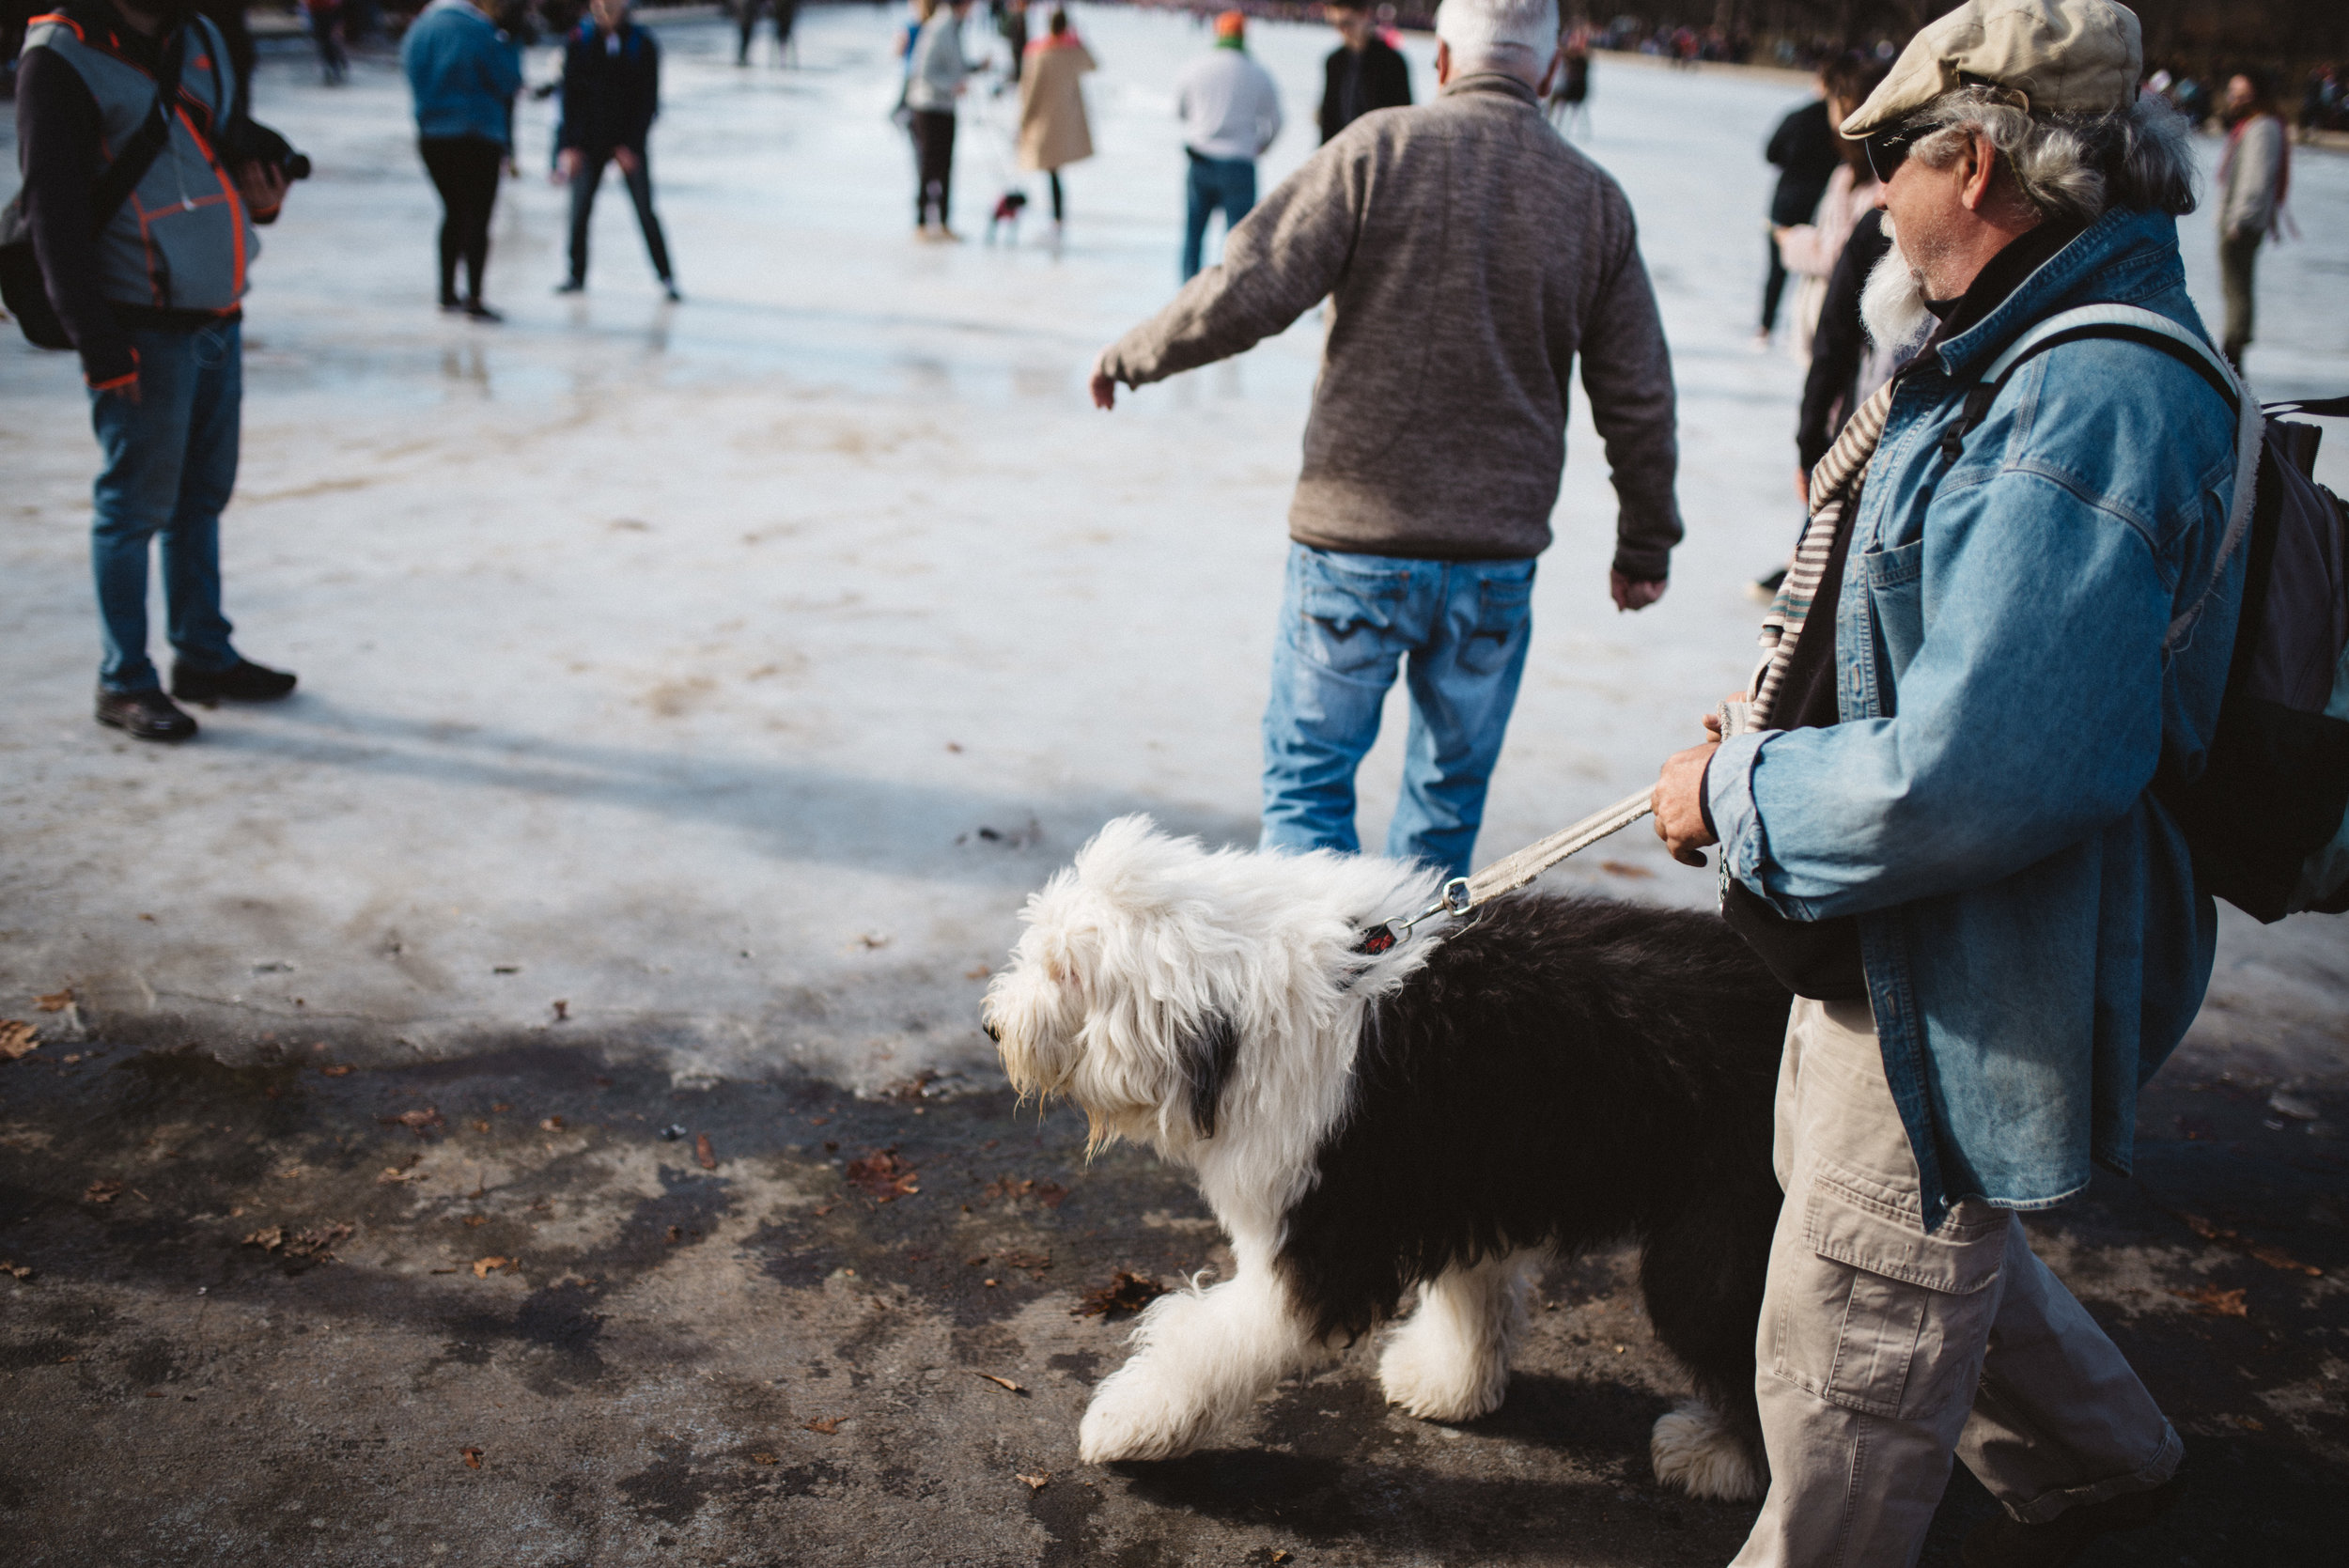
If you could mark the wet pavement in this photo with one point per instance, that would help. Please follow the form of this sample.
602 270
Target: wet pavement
539 1306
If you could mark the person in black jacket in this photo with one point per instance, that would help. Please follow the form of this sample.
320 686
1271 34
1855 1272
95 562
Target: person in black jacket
611 92
1363 74
1841 351
1803 150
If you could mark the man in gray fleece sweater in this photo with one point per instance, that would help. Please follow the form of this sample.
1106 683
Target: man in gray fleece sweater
1468 255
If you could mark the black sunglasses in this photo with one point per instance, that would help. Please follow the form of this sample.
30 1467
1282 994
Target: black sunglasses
1887 151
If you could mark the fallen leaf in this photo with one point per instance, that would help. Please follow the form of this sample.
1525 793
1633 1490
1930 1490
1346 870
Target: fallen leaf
102 1190
480 1125
875 938
1050 1194
268 1239
393 1175
2210 1301
1127 1293
1624 868
472 1220
500 1108
481 1267
2250 1423
762 1458
55 1002
1034 1482
473 1458
1018 1258
15 1271
2273 1257
16 1038
552 1124
882 1175
340 1069
421 1123
1279 1557
71 1056
981 972
913 1088
154 1393
291 1173
825 1425
706 1157
1001 1382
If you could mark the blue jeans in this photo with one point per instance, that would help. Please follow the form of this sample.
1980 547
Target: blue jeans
1226 182
1345 621
169 462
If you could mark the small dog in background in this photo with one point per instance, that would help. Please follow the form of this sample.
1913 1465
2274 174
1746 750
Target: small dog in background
1008 210
1549 1075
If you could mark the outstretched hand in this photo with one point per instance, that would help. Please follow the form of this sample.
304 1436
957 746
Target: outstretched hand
1104 384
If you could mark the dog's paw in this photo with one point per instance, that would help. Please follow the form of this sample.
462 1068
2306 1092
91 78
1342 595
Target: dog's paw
1433 1376
1133 1416
1693 1449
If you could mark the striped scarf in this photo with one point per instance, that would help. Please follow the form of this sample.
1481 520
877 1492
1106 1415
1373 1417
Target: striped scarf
1834 490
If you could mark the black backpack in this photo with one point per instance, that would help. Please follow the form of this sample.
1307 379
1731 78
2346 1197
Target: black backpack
2265 817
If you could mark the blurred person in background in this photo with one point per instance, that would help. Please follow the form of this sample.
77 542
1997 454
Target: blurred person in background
1570 98
786 14
1053 130
463 70
1362 74
1803 151
326 31
1437 439
2254 176
1011 23
611 95
1230 110
936 73
1809 250
151 302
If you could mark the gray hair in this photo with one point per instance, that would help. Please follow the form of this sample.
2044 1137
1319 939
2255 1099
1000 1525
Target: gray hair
2077 166
1515 33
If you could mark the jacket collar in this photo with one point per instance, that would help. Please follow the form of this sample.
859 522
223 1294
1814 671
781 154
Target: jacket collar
2124 255
1490 82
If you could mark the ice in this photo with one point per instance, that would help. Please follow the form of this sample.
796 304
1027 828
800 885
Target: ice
675 658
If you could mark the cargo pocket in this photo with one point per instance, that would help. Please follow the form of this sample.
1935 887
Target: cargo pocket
1884 1317
1347 618
1504 608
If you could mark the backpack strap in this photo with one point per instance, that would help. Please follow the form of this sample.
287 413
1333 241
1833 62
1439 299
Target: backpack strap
139 153
2324 408
2129 323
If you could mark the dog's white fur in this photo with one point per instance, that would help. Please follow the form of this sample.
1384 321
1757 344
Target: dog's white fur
1123 955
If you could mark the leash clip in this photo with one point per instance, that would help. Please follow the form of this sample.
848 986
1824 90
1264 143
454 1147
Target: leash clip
1454 901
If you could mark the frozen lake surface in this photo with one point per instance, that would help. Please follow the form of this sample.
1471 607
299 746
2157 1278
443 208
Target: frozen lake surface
727 672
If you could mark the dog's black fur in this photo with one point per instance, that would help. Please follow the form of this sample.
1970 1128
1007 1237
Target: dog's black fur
1564 1073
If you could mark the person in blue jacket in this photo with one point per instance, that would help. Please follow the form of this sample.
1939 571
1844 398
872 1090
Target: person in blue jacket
611 92
463 71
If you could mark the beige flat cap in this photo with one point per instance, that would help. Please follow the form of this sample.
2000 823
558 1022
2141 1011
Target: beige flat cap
2063 55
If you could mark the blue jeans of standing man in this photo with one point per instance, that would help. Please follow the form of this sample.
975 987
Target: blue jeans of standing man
169 461
1462 628
1229 183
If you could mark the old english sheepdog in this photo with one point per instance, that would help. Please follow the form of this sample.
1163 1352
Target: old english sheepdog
1548 1075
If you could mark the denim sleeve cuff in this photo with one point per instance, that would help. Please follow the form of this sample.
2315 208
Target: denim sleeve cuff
1729 805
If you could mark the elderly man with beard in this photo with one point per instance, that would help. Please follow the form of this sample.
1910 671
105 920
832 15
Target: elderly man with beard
1947 841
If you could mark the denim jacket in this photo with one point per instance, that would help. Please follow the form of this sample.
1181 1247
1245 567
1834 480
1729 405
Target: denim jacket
2024 639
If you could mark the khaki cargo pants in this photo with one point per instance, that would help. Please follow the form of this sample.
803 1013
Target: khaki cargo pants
1883 1349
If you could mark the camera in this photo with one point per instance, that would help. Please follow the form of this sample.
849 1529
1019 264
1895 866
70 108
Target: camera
243 141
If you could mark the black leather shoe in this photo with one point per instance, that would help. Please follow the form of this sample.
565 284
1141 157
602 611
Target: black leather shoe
242 682
2004 1542
143 715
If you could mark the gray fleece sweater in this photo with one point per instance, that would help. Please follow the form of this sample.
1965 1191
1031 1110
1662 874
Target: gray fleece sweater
1469 257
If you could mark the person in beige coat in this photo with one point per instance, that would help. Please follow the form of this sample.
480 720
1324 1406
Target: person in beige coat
1053 130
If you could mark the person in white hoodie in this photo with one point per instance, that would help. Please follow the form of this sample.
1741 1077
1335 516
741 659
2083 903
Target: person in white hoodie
1231 111
936 71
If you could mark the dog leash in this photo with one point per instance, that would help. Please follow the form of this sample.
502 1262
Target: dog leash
1511 872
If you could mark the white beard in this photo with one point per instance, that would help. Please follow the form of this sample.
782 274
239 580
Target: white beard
1893 302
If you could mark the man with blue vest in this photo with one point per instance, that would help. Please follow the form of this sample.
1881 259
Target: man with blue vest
150 299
